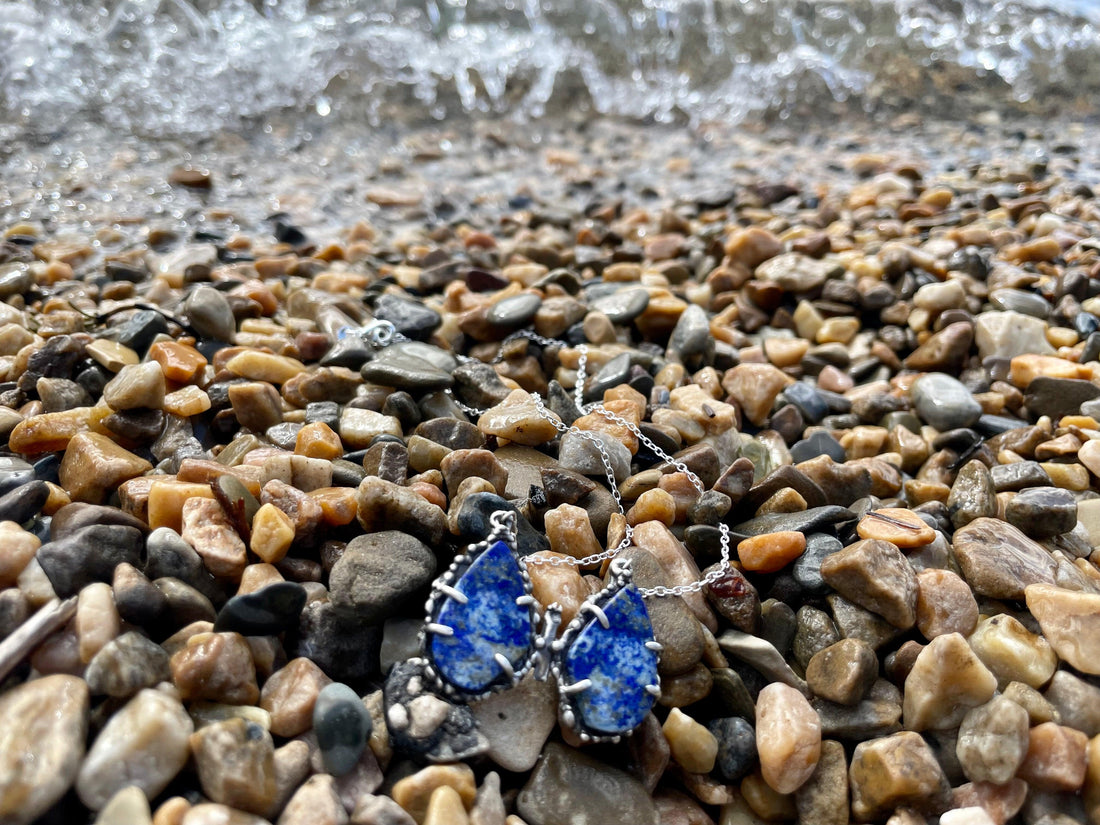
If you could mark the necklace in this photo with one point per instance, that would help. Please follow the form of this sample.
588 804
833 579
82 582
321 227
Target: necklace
483 630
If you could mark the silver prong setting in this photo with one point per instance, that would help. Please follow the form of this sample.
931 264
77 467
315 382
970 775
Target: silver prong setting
576 687
457 595
439 629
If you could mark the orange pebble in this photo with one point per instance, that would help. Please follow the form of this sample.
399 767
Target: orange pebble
430 492
338 504
318 440
901 527
771 551
179 363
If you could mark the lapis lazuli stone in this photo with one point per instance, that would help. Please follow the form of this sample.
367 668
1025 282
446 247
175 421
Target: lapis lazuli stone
617 662
490 622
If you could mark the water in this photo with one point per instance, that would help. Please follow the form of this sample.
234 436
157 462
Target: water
192 67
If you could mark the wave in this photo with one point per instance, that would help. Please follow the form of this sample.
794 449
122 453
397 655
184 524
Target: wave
174 67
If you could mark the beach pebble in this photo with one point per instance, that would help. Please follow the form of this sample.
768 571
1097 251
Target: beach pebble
206 528
414 793
947 679
736 756
896 771
992 741
943 402
788 737
754 387
127 807
945 604
215 666
210 313
342 725
264 612
691 745
771 552
1008 334
378 572
1042 512
875 575
1055 759
316 802
824 798
41 752
517 723
1070 621
999 561
94 465
89 554
289 696
125 665
843 672
143 745
235 761
568 785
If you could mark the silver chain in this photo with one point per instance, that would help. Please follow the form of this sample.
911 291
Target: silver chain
383 333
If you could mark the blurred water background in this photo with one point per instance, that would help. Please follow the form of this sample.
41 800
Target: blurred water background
192 67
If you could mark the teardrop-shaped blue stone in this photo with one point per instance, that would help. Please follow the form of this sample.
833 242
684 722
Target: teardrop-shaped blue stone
490 622
617 662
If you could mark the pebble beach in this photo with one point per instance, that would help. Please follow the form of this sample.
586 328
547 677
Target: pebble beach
876 345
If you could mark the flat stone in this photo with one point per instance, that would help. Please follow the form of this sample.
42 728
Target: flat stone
1070 621
762 655
879 714
517 418
40 753
875 575
206 528
265 612
407 370
999 561
568 786
812 520
947 679
143 745
622 306
1019 475
1058 397
378 573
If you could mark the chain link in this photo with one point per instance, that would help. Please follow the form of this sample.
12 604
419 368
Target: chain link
383 333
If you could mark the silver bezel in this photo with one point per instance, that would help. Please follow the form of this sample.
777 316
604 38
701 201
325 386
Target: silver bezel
591 610
435 603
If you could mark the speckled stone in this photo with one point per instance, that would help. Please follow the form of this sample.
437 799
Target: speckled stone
875 575
894 772
843 672
617 662
378 572
489 621
788 737
993 741
999 561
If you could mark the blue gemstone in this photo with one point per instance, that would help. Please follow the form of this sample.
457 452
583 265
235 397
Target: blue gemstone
619 665
490 622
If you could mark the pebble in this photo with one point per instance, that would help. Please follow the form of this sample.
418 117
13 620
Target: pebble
771 552
144 745
41 752
127 807
876 576
316 802
843 672
125 665
87 555
289 696
265 612
993 741
736 755
210 313
788 737
235 761
972 495
1056 758
943 402
378 573
824 798
568 786
945 604
1070 622
517 723
947 679
94 465
999 561
215 666
414 793
896 771
692 746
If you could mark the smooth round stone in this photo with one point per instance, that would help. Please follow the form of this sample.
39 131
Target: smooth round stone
1017 300
409 318
944 402
807 567
210 313
622 306
14 472
266 612
342 725
125 665
1042 512
406 371
1086 324
516 311
612 374
736 747
691 336
24 502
